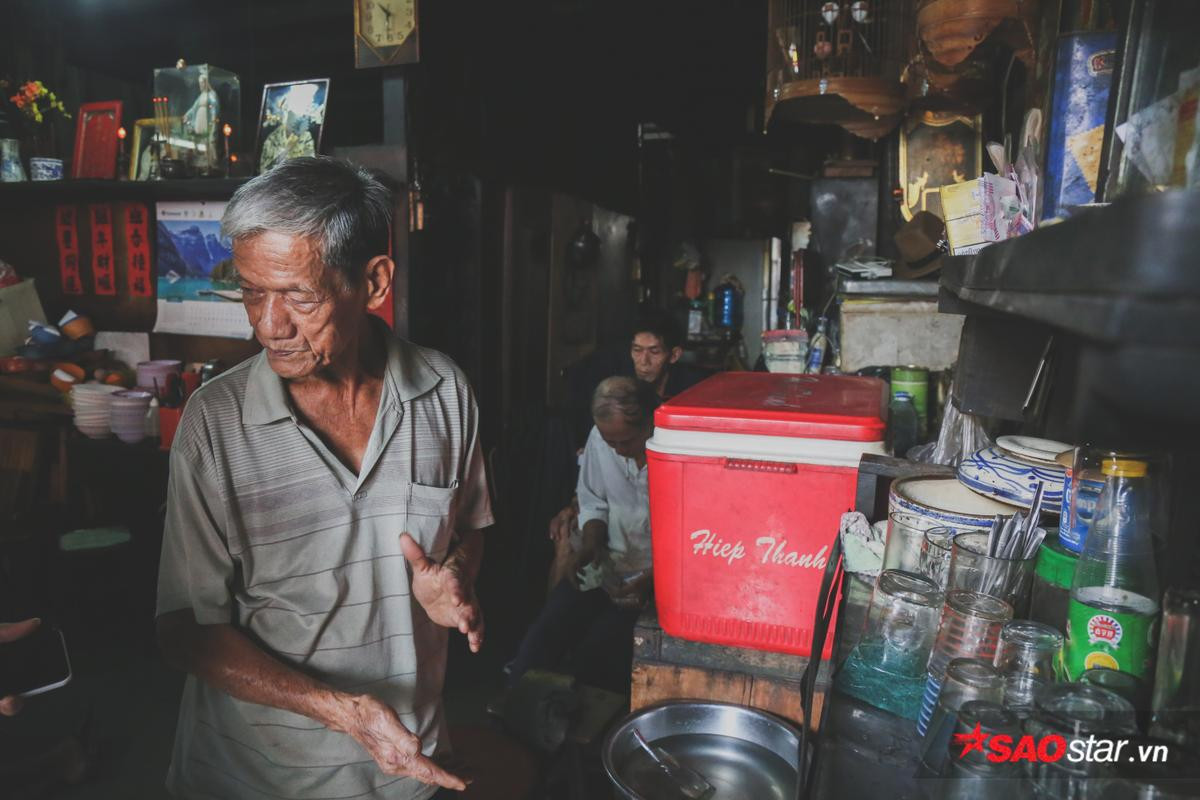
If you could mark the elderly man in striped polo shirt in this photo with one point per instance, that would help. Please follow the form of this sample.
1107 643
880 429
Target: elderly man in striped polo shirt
323 518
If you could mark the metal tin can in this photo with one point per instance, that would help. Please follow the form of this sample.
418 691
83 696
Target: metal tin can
914 381
1083 74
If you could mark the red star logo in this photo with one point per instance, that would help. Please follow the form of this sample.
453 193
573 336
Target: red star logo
971 741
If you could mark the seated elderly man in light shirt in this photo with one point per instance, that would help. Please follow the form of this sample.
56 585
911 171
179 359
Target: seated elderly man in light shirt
586 626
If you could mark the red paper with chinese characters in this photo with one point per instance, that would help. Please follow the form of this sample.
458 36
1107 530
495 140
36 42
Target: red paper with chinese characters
104 276
137 249
96 140
66 232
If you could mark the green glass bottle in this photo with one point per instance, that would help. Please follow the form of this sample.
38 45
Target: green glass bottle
1114 594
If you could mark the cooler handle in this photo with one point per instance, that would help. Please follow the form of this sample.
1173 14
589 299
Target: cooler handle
753 465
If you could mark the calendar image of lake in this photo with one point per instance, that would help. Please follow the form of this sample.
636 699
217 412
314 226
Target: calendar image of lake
194 261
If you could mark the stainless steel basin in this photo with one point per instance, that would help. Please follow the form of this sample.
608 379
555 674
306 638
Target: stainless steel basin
746 754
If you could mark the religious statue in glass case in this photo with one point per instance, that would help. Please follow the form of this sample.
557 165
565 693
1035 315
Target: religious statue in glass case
192 106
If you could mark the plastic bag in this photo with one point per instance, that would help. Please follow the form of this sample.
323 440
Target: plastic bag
960 436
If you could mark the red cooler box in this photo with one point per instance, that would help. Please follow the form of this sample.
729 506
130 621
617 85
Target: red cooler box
750 473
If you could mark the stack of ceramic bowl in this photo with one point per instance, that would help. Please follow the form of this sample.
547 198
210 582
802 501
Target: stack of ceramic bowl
1011 470
127 414
152 375
92 402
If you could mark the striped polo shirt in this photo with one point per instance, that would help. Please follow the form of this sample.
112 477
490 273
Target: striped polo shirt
269 531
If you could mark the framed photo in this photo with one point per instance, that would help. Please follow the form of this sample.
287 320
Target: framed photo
290 121
937 149
96 140
143 156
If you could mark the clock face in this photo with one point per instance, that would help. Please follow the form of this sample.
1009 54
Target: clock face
386 23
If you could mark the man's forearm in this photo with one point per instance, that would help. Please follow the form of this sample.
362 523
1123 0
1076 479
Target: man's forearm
225 658
594 539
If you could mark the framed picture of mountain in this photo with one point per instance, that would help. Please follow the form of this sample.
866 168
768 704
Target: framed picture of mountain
198 289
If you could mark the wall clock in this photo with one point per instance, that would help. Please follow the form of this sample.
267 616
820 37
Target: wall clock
385 33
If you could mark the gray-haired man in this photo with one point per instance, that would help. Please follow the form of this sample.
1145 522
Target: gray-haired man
586 626
313 632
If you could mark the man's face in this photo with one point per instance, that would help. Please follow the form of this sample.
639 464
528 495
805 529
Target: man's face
299 311
651 357
629 441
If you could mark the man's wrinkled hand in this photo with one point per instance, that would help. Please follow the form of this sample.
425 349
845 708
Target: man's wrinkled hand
10 632
563 523
444 592
397 750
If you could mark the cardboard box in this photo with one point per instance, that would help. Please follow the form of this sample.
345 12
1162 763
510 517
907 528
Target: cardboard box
978 212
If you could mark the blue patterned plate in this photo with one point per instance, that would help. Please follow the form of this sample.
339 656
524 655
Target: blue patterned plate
999 475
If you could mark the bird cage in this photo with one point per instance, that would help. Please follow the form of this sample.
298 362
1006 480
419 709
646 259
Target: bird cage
951 30
838 62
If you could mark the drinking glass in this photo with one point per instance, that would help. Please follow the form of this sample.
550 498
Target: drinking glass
966 679
905 535
969 628
935 554
887 667
1026 655
1009 579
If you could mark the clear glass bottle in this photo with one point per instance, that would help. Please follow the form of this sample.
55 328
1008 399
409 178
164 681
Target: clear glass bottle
1115 594
1176 703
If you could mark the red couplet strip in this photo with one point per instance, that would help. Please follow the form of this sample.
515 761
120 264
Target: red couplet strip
103 269
66 231
137 250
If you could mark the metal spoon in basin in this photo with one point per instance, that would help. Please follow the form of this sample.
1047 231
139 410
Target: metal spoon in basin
691 783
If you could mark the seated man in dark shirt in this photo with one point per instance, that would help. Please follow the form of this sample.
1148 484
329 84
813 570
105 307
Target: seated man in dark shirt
651 354
655 347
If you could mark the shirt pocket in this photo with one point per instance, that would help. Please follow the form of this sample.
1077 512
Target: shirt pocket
429 516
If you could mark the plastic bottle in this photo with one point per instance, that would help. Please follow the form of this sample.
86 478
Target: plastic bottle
729 307
1114 593
817 348
902 424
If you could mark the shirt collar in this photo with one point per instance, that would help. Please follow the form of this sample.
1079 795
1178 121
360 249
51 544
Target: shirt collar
408 376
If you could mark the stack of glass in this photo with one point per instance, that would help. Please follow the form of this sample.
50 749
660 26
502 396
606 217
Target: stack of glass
1076 711
969 774
887 666
969 628
966 679
1026 657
